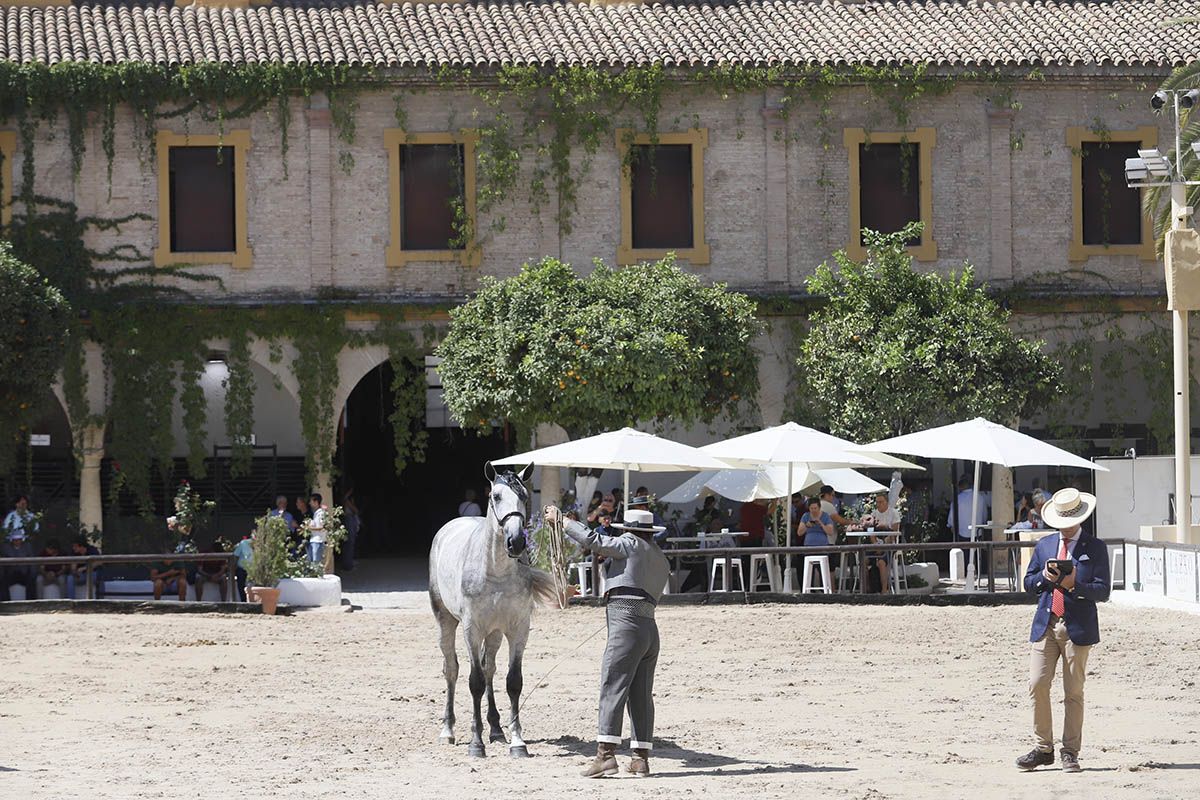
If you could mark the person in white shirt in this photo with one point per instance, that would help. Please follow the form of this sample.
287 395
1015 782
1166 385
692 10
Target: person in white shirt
963 501
828 507
886 519
20 519
468 507
316 530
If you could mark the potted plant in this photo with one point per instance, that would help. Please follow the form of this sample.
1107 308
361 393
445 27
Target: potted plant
305 582
268 562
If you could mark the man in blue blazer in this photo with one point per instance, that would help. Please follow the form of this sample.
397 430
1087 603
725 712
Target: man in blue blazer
1065 624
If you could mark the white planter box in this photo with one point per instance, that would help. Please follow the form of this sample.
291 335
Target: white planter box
926 571
323 591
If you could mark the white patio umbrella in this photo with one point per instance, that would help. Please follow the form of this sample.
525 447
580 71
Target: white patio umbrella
625 449
793 445
981 441
769 483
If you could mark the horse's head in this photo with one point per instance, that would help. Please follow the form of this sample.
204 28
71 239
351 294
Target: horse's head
508 505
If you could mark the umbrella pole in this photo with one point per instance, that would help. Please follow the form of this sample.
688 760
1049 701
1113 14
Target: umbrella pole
625 499
787 536
974 519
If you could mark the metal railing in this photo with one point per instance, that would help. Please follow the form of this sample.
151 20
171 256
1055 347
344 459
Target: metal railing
91 562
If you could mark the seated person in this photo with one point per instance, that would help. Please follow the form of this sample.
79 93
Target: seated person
816 527
16 545
884 519
58 574
707 515
607 504
211 572
80 547
170 576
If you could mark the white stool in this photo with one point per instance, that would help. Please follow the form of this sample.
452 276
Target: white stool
822 563
735 570
583 570
957 564
899 573
772 570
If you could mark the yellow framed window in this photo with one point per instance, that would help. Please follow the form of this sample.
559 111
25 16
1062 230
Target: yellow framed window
432 197
8 150
1107 217
202 199
662 196
891 185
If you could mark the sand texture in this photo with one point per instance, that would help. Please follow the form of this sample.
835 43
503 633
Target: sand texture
762 702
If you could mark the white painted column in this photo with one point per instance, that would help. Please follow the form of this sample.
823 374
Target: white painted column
91 500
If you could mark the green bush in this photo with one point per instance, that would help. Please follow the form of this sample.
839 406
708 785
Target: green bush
269 550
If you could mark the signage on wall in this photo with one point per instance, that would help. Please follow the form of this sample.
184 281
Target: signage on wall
39 440
1181 574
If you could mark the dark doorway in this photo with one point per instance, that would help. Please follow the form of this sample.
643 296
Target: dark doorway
402 512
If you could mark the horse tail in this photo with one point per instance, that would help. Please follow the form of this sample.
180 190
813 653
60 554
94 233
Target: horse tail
541 583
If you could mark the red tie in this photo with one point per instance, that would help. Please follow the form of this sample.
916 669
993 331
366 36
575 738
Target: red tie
1058 605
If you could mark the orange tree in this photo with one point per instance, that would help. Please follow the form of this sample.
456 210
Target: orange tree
645 343
33 330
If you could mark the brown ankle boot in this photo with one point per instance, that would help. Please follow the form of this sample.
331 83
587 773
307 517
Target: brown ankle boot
639 765
605 762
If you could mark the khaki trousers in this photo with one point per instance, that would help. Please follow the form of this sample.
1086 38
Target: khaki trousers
1043 662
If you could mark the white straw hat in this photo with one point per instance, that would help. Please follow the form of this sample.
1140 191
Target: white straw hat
1068 508
639 520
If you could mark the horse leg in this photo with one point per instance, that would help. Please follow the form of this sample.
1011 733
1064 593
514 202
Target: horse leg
491 646
514 684
478 684
449 626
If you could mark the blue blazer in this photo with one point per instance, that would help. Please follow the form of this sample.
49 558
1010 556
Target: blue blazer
1092 585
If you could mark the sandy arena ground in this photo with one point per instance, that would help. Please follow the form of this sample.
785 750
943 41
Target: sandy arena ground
763 702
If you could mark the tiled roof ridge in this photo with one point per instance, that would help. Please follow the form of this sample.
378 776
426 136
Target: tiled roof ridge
675 33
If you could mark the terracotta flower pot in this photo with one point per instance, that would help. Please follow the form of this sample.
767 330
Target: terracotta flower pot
269 597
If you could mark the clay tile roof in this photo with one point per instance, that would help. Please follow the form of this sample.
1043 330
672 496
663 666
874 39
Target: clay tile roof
488 33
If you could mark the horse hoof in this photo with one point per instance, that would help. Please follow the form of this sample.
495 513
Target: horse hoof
476 751
497 736
520 751
446 739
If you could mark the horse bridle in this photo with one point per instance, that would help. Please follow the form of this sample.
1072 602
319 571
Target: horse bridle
501 520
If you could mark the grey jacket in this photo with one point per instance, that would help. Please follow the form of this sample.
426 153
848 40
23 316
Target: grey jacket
632 561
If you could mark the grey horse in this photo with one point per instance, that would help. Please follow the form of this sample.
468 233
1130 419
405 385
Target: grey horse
478 577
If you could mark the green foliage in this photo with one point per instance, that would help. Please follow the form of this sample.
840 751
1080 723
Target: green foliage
33 336
192 511
895 350
644 343
269 548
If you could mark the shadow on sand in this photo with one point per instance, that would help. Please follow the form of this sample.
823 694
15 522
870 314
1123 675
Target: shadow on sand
700 763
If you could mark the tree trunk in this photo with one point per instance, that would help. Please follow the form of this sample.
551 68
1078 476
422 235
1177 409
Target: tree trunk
550 484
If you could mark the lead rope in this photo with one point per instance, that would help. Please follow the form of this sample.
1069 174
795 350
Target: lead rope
541 681
558 560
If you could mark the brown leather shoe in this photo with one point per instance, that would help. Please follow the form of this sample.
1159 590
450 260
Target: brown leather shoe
605 762
639 765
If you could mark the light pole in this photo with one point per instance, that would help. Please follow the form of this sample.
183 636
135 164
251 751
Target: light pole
1152 168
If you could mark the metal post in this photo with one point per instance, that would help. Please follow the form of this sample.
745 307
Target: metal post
1183 423
231 578
87 566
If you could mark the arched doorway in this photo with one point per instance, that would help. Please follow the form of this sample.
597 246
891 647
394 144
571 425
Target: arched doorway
44 469
402 511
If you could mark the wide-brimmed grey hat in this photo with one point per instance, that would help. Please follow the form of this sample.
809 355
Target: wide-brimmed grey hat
639 521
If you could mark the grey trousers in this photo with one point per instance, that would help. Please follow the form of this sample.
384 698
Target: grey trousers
627 673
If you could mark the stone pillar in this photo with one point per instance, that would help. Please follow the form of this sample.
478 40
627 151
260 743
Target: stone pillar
550 486
320 161
91 501
775 193
1000 256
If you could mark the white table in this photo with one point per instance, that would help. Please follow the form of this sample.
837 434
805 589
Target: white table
862 560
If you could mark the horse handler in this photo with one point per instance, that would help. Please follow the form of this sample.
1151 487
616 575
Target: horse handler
635 573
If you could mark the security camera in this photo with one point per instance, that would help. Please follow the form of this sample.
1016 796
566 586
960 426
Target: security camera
1159 100
1189 98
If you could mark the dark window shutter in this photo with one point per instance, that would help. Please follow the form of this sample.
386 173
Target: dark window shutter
660 184
1112 212
431 185
889 186
202 213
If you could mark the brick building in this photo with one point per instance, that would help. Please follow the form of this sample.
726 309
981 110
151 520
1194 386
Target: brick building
1010 153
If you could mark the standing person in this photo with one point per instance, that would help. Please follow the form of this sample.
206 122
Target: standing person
828 506
301 510
20 518
281 510
619 502
959 520
316 530
468 507
352 519
636 573
244 550
1065 625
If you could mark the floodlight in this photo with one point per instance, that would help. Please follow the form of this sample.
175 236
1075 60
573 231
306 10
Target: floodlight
1156 163
1196 149
1189 98
1159 100
1135 170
